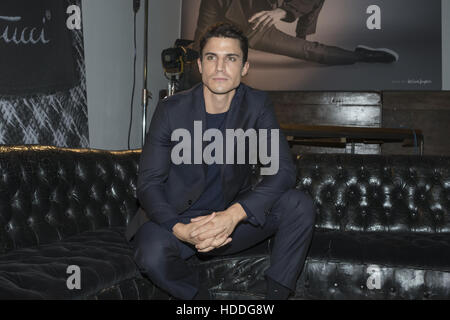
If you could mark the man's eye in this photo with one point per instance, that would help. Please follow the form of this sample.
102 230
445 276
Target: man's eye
210 57
232 59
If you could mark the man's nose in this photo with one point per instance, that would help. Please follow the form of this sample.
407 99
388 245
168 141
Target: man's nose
220 65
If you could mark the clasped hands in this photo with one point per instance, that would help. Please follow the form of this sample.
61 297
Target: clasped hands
211 231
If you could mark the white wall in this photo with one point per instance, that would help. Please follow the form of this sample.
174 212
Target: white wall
108 41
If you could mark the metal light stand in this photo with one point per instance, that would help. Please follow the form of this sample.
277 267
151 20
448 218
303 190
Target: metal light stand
145 93
171 86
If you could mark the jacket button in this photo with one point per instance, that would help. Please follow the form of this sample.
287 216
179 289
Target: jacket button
189 202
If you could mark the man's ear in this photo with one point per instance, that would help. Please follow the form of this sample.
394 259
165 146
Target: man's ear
199 63
245 68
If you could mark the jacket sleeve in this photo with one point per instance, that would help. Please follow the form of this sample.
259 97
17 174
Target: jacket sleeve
154 168
297 8
209 14
261 199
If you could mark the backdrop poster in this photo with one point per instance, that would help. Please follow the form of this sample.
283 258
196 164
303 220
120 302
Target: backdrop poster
313 46
42 74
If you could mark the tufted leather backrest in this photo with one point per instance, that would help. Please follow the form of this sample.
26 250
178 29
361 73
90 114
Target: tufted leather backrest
49 193
391 193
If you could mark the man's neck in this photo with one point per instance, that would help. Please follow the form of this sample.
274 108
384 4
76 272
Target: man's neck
217 103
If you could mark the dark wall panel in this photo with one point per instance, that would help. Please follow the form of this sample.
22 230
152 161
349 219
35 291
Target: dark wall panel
330 108
427 111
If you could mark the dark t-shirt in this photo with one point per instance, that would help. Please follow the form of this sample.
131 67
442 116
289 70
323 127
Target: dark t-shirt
212 197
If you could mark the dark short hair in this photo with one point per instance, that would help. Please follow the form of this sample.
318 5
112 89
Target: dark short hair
225 30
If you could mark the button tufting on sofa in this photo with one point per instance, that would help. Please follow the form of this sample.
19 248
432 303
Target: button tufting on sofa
62 207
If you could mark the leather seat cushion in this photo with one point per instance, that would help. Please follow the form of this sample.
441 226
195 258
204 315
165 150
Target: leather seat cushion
412 266
425 251
104 258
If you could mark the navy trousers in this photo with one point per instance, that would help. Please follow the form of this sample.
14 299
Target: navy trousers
162 257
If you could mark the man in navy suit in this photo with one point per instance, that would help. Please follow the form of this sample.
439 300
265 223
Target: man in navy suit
212 208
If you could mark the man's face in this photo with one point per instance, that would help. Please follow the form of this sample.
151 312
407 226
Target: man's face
221 65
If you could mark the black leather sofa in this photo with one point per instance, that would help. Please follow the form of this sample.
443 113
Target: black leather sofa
382 229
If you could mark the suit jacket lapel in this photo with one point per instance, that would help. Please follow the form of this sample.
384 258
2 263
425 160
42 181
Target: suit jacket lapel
236 115
199 114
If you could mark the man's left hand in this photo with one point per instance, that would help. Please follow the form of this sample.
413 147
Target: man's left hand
216 232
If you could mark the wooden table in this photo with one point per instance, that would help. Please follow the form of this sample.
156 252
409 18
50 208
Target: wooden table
340 136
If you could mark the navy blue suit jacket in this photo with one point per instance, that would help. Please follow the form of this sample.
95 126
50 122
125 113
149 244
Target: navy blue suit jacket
166 190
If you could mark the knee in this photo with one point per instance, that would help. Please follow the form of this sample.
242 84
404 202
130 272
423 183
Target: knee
300 206
150 249
147 258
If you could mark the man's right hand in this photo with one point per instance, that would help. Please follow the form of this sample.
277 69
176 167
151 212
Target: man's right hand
183 231
266 19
